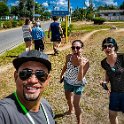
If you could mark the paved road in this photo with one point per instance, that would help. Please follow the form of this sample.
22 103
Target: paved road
13 37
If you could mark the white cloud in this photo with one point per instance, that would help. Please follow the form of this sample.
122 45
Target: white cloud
107 2
87 3
15 4
57 4
45 4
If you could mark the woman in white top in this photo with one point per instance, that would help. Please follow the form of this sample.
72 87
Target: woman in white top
74 72
26 28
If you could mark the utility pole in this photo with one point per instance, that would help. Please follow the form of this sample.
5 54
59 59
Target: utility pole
34 10
69 10
69 5
67 21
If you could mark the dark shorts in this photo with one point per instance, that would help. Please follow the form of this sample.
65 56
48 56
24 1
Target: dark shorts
56 39
76 89
27 39
116 102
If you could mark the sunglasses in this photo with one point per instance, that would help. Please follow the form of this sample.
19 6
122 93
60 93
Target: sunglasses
27 73
75 47
109 46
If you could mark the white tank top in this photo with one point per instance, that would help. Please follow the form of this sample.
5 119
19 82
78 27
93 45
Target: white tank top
26 32
71 74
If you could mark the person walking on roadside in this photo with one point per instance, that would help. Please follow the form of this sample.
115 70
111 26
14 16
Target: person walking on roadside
113 65
27 105
38 37
56 33
73 72
26 28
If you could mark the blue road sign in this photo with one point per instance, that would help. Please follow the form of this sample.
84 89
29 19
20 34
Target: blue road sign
60 13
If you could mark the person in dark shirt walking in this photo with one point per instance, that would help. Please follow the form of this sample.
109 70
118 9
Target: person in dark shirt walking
113 65
56 33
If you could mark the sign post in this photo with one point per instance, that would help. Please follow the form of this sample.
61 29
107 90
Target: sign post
66 35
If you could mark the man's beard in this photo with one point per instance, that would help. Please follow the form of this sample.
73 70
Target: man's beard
30 97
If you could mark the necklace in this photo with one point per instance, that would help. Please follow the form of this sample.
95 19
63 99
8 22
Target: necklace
27 113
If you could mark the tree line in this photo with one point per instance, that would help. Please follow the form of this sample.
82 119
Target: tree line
26 8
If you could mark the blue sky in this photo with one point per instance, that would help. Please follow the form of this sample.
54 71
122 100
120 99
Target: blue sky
63 4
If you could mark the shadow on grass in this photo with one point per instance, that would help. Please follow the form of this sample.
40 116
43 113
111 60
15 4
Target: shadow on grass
51 54
62 114
12 56
59 115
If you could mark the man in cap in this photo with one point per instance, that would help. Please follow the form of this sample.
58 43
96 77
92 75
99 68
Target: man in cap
26 105
38 37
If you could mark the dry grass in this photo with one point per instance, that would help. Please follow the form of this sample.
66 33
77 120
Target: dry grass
94 101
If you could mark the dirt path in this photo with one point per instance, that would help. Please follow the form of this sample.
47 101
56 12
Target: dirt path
84 38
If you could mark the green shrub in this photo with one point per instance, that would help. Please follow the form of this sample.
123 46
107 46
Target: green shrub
20 22
1 24
14 23
7 24
64 28
99 20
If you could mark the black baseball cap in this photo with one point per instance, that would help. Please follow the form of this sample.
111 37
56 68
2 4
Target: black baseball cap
110 40
33 55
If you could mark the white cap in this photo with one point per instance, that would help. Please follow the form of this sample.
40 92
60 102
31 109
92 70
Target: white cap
38 23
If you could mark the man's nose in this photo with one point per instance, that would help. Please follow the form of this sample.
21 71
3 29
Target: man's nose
33 78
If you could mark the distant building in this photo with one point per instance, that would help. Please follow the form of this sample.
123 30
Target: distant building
5 18
112 14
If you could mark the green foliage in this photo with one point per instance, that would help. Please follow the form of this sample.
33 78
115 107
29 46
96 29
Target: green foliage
20 22
99 20
7 24
8 56
90 16
4 10
14 10
14 23
122 6
107 7
64 28
78 14
1 24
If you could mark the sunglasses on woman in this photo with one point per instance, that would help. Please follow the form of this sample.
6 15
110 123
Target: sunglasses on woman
27 73
109 46
75 47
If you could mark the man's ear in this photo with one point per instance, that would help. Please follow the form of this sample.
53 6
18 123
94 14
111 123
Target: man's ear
15 75
48 79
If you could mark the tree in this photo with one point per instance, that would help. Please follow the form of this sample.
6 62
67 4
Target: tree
29 4
78 14
14 10
122 6
26 8
4 10
21 8
107 7
5 1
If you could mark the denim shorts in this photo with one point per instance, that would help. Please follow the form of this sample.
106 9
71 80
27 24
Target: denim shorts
75 89
116 101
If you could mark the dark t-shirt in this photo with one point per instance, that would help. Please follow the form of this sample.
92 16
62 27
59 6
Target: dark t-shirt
116 73
55 31
11 113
